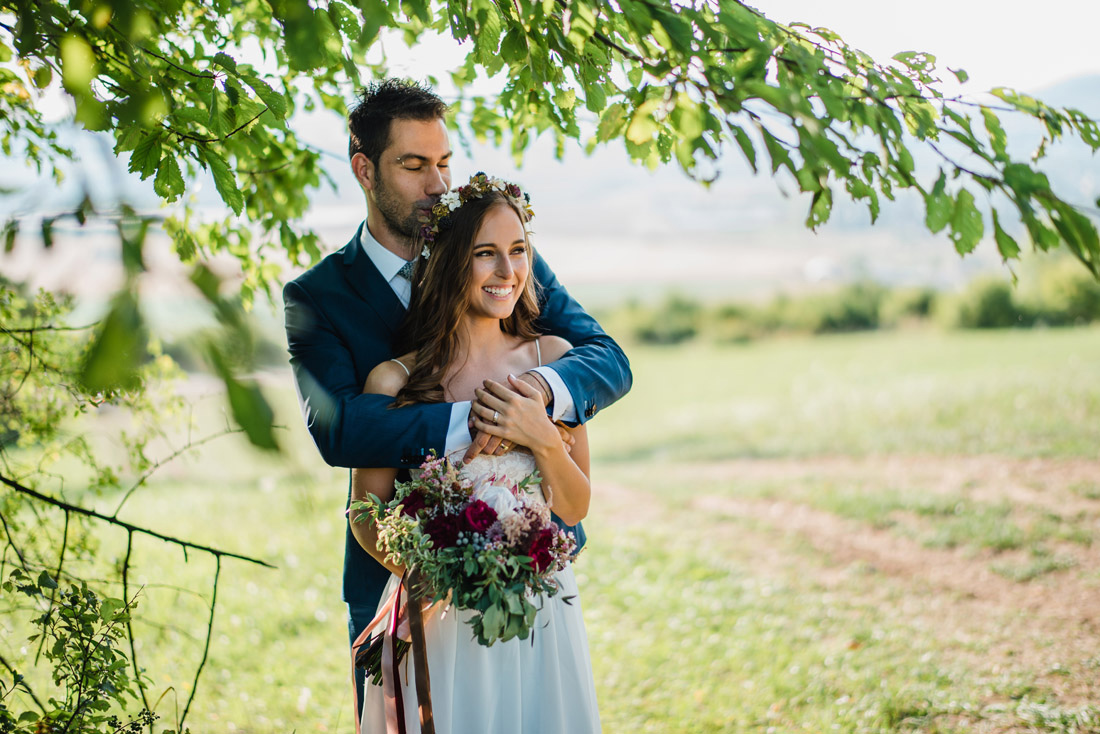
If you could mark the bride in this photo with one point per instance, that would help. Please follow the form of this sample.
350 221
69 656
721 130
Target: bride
469 330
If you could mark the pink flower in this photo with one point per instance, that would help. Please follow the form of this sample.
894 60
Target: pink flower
478 516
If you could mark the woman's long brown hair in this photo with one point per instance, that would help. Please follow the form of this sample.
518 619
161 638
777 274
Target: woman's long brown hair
441 297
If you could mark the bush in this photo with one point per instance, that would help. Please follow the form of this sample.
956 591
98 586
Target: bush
1065 294
733 323
854 307
987 303
675 320
907 304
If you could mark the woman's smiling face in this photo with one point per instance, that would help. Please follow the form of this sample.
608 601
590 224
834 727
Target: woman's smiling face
501 264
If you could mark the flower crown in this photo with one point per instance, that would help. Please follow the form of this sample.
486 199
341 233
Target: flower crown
480 184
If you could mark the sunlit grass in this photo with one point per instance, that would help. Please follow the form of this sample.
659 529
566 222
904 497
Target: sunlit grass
698 622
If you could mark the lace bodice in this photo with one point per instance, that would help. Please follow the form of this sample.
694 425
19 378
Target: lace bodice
505 472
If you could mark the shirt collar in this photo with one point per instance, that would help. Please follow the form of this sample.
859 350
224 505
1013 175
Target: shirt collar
387 263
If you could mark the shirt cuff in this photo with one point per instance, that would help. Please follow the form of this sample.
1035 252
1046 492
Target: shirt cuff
564 407
458 431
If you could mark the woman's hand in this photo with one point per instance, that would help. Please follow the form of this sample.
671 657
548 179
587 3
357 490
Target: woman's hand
514 412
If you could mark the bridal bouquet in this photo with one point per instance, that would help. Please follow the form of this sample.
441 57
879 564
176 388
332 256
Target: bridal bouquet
490 548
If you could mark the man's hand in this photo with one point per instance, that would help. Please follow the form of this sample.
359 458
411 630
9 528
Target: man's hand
483 443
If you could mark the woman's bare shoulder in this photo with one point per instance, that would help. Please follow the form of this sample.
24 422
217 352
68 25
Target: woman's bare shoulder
390 376
553 347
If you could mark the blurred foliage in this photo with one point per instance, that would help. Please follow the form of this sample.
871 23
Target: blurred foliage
1050 292
82 636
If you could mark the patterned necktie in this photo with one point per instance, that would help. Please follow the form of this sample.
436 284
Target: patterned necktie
406 270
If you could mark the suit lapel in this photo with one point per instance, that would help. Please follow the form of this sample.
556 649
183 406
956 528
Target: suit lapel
365 279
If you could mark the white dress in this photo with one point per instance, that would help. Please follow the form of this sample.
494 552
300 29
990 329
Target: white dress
541 685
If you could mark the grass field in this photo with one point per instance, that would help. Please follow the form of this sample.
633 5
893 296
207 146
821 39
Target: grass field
874 533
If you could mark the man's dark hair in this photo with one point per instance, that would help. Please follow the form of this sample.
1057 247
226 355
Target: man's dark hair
382 102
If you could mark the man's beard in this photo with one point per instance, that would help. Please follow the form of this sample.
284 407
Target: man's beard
405 223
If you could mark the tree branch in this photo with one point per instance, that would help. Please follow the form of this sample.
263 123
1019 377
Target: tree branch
171 457
128 526
206 647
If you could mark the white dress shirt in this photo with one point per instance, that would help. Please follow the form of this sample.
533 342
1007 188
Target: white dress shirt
458 432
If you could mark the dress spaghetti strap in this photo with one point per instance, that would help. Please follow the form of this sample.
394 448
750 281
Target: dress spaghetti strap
538 351
407 369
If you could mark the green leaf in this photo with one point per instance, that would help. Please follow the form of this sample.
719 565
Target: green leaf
747 147
1005 243
595 99
78 66
47 232
938 205
612 122
960 74
275 101
678 30
642 126
225 61
1025 181
11 229
109 608
168 184
566 99
513 49
1079 233
144 158
118 347
687 117
997 136
43 75
45 581
778 153
967 226
250 409
487 39
224 181
820 208
493 620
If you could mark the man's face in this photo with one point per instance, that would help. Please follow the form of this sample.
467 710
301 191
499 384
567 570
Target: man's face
412 173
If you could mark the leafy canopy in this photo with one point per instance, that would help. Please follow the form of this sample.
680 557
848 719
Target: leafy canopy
190 85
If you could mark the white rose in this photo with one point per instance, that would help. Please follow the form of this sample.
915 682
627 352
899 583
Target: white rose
499 498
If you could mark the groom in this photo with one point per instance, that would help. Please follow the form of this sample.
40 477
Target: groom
343 316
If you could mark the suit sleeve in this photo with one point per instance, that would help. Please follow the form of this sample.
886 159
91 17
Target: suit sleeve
595 370
352 429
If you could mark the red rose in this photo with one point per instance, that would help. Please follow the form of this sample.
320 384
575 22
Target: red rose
413 504
443 530
541 549
478 516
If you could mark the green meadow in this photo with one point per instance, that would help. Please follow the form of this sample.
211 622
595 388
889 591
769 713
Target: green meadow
892 531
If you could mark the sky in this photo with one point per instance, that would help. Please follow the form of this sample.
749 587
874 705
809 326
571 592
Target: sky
1015 44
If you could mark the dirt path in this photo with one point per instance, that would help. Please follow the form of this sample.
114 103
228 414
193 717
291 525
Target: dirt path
1048 627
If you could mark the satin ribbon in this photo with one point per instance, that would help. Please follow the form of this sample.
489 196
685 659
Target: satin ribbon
395 614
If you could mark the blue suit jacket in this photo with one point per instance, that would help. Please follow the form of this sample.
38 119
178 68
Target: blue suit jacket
342 319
